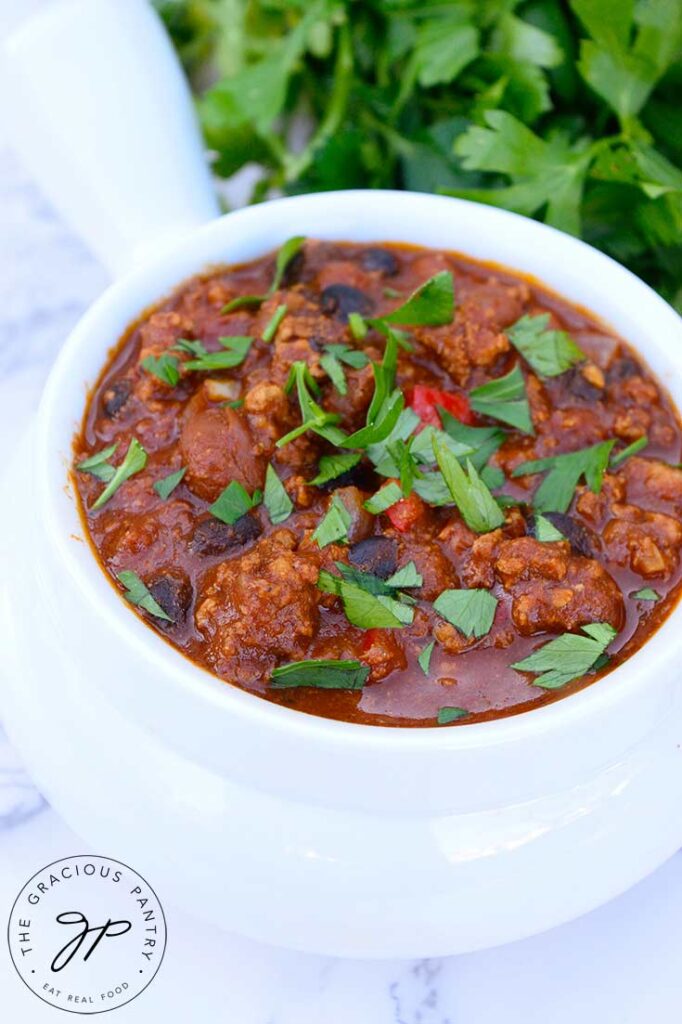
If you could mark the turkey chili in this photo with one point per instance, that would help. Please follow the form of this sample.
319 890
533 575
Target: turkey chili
385 484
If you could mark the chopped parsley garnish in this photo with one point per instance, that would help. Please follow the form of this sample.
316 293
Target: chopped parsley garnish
193 348
470 611
333 528
408 576
135 460
647 594
98 465
313 416
568 657
631 449
236 351
548 352
274 322
334 356
357 326
164 367
432 489
431 305
546 531
384 498
138 594
363 608
424 658
353 357
334 370
324 673
493 477
234 502
504 399
555 493
422 445
476 504
275 498
167 484
447 715
285 255
483 441
331 466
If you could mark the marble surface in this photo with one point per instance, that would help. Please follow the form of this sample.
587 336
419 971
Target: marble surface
618 965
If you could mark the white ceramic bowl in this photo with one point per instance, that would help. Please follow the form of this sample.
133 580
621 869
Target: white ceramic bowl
310 833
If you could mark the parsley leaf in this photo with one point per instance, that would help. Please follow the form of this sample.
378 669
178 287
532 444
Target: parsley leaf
504 399
275 498
333 528
323 673
234 502
98 465
548 352
646 594
167 484
568 657
270 329
476 504
544 173
450 714
334 370
331 466
357 326
555 493
353 357
470 611
546 531
313 416
432 304
134 461
285 255
164 368
138 594
236 351
384 498
363 608
424 659
631 449
408 576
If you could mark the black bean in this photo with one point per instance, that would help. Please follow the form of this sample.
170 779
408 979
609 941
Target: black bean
580 538
381 260
581 387
213 537
362 476
115 396
624 368
378 555
340 300
173 591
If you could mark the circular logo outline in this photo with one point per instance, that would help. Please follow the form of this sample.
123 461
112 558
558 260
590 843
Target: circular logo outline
91 857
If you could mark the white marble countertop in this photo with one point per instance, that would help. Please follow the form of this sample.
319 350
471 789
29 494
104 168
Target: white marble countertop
619 965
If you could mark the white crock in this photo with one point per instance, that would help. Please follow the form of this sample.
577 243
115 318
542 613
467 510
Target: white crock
315 834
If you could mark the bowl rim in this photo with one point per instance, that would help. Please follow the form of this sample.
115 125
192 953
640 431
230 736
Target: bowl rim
198 683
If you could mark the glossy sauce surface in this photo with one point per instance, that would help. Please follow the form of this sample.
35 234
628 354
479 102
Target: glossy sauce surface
243 597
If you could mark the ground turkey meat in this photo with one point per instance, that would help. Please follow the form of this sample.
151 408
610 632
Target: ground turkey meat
554 591
260 607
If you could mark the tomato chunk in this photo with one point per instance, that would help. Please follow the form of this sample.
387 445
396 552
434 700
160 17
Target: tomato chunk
406 512
425 401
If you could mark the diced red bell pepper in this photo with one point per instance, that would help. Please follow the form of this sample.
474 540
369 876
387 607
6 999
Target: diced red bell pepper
369 638
425 401
406 512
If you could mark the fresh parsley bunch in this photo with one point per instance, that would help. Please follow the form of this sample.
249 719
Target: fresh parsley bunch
566 111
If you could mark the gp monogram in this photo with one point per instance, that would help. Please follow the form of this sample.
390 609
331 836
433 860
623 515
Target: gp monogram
87 934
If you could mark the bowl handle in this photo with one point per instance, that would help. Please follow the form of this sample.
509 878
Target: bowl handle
100 112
